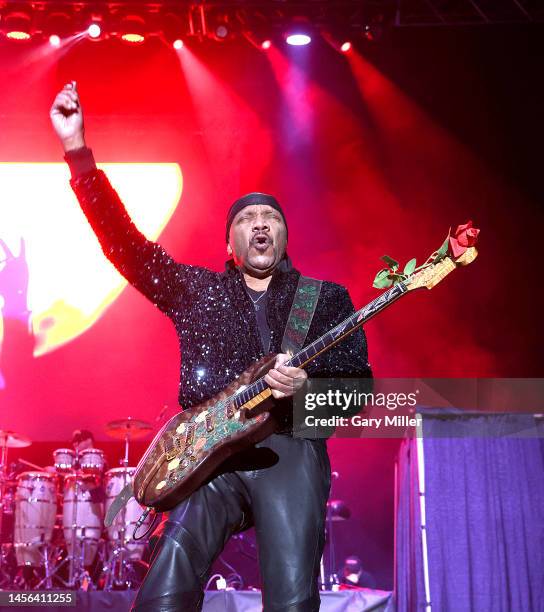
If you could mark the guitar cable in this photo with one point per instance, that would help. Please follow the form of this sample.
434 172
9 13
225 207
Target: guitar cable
141 521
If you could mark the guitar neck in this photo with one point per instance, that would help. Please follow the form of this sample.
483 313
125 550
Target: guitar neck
326 341
347 326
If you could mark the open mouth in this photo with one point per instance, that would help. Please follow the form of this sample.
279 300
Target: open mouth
261 242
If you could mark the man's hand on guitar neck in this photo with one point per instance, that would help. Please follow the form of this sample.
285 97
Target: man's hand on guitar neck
284 380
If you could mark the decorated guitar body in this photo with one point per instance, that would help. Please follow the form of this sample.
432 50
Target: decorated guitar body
195 442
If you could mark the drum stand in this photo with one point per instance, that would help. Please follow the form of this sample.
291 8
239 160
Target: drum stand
336 511
121 571
78 576
115 569
47 554
6 578
117 564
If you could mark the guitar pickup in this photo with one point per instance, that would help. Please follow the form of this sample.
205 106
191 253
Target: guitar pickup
230 410
209 422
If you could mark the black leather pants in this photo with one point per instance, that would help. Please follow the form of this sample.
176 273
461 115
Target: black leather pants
285 499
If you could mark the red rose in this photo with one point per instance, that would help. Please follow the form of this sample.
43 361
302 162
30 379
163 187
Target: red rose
465 236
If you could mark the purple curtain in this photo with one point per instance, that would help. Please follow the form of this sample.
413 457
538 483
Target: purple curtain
484 507
408 556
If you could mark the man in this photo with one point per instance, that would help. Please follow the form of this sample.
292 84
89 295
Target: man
353 574
226 321
82 439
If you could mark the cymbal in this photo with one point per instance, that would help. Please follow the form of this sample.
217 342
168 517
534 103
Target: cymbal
10 439
128 428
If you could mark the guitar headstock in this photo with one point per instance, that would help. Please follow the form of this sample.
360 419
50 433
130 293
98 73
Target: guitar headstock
457 250
435 272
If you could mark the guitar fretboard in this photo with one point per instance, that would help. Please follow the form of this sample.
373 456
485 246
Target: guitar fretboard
326 341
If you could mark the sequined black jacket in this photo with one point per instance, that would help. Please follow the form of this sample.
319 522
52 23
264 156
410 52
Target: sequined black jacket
212 313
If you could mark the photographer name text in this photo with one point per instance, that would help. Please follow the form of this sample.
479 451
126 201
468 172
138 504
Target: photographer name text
360 421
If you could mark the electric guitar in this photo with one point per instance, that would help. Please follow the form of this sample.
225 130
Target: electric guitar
192 445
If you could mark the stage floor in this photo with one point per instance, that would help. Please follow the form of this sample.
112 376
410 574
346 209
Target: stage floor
227 601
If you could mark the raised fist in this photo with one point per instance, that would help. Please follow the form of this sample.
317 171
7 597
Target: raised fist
67 117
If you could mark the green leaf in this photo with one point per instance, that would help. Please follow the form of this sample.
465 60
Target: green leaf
382 274
442 251
385 284
394 265
444 248
410 267
382 284
381 281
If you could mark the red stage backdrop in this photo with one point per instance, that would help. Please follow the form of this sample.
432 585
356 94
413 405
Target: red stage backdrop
376 152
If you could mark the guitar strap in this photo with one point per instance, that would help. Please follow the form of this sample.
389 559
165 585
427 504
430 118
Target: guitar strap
301 314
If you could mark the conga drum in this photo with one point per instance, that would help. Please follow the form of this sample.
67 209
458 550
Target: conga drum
64 459
82 516
92 461
114 482
35 511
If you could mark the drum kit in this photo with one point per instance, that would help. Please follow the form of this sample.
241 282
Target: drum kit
51 519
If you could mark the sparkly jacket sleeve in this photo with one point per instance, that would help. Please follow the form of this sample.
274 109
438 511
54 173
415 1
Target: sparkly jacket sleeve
145 264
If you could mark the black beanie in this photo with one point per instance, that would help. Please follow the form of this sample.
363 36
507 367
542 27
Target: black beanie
249 200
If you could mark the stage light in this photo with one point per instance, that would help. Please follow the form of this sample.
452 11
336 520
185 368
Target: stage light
57 26
221 31
173 30
373 31
132 29
298 40
17 26
94 31
259 41
336 40
221 26
133 38
17 35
